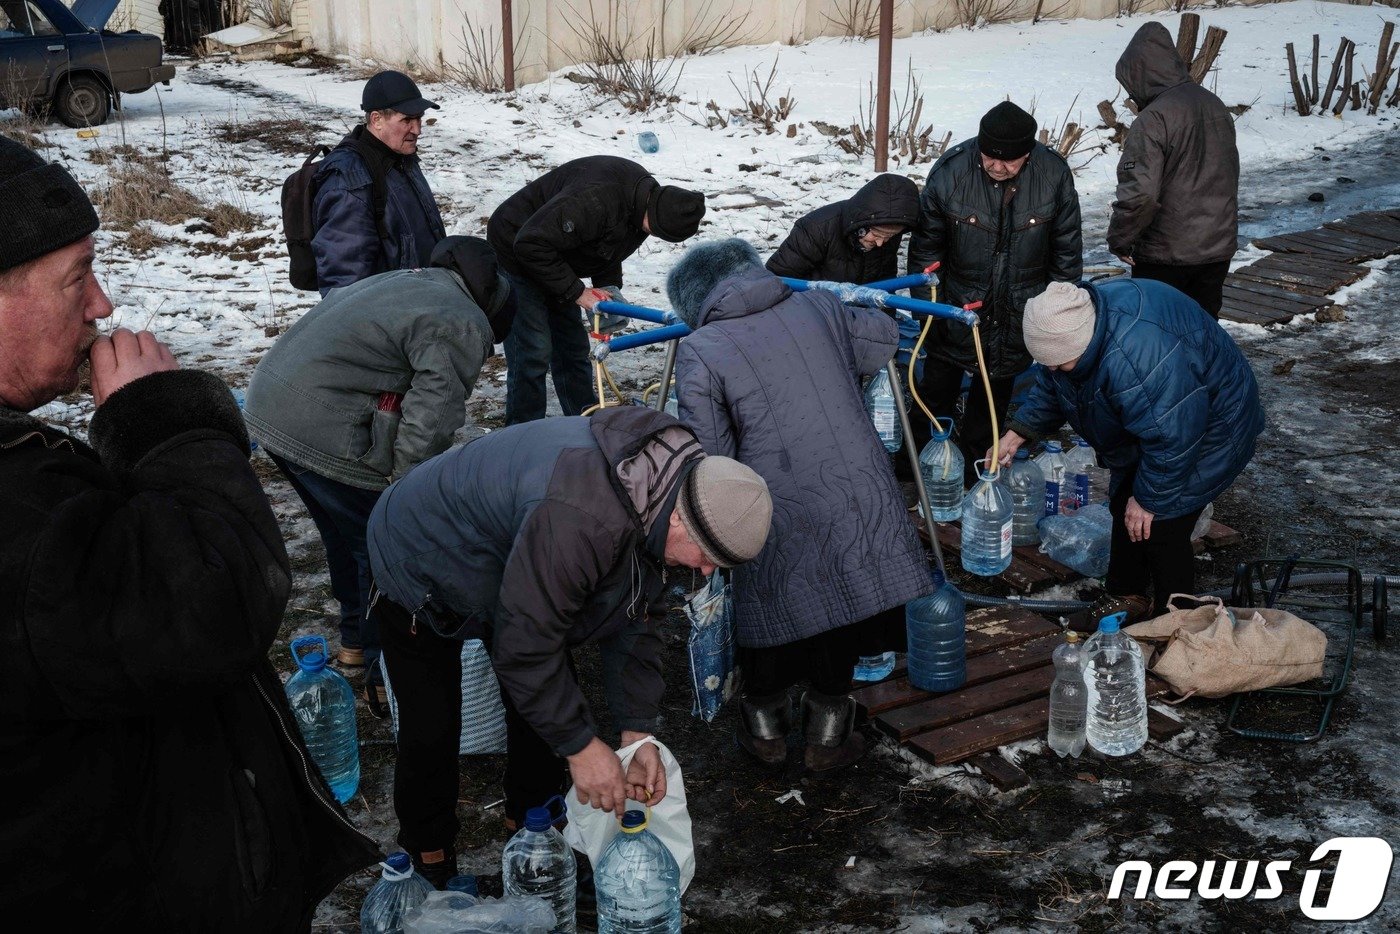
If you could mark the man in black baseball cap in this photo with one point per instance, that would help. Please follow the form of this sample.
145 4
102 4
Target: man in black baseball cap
373 210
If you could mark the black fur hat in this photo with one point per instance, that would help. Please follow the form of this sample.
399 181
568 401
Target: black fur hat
702 268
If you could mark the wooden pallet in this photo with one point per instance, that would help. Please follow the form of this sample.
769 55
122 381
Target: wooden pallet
1004 699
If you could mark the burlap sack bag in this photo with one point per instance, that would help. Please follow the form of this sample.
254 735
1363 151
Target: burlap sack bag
1214 650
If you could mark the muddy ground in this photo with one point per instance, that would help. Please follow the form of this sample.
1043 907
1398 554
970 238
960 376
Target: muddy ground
939 849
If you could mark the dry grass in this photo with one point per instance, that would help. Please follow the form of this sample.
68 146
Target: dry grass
284 134
139 189
142 240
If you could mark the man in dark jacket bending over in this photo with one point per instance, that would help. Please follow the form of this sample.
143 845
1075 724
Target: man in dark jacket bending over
1001 217
1175 212
582 219
856 240
537 539
156 779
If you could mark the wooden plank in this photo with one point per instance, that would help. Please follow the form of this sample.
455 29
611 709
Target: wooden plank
898 692
988 629
1340 240
1160 726
1342 272
958 741
1388 231
1275 295
904 722
1221 536
999 772
1301 243
1296 282
1234 308
1032 555
1021 576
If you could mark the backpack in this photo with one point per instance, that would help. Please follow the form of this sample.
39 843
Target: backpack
298 214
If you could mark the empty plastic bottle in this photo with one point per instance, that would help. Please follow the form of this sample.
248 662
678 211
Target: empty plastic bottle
937 637
1026 483
638 883
986 526
398 891
941 463
537 861
1116 680
647 141
1057 493
466 885
324 707
1068 707
879 402
874 667
1082 466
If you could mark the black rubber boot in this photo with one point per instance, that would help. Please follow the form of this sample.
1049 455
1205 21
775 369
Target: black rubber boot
828 725
437 873
764 723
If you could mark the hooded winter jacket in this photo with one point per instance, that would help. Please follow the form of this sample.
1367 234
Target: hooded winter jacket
581 219
772 378
316 396
1161 387
998 243
825 244
535 538
155 777
1179 175
347 244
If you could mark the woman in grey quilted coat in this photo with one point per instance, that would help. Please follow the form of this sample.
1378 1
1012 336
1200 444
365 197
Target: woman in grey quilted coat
772 378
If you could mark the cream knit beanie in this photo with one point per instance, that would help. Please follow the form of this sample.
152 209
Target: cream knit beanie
1058 323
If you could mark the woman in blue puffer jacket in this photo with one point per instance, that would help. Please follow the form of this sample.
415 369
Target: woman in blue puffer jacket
1168 401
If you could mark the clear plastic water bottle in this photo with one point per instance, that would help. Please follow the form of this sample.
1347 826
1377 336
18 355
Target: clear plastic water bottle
1116 680
398 891
941 463
638 883
1027 485
537 861
937 637
1068 696
986 525
647 142
879 402
323 704
1052 463
874 667
1082 466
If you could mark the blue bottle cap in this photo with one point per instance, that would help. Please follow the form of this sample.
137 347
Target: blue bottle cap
1052 446
1110 623
939 432
314 660
537 819
399 862
1023 455
634 822
938 579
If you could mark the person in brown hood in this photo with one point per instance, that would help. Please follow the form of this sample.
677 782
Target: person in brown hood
1175 211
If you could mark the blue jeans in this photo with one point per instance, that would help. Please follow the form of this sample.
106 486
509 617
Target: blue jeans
545 337
341 513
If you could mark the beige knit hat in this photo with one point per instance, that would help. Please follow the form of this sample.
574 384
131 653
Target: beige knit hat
1058 323
726 509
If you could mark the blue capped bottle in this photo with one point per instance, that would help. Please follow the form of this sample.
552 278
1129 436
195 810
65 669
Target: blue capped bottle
538 861
874 667
323 705
986 526
1116 679
879 403
1026 483
638 883
398 891
1057 491
941 463
937 630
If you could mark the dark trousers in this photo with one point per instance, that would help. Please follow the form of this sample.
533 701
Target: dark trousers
939 387
1204 282
426 671
545 338
341 513
825 660
1166 560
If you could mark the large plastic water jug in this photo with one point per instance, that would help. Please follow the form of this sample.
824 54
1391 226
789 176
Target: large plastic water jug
941 463
1068 698
323 705
986 526
1087 478
1117 690
638 883
1026 483
398 891
937 630
1057 492
537 861
879 402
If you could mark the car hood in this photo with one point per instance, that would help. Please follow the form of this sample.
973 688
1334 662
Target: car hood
94 14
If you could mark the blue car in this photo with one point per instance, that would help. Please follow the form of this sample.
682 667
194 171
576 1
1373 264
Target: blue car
61 61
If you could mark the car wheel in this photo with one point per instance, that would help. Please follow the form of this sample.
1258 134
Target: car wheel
82 102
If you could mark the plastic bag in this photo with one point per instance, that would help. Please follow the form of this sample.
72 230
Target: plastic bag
713 676
590 830
1079 540
459 913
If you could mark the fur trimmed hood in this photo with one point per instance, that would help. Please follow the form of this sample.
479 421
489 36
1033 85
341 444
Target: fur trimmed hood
702 268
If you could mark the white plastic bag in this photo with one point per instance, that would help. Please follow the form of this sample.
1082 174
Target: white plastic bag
590 830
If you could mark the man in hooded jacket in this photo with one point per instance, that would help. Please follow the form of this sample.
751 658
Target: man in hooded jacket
856 240
1175 211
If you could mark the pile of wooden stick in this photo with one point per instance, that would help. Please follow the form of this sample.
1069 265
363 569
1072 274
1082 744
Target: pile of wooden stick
1351 93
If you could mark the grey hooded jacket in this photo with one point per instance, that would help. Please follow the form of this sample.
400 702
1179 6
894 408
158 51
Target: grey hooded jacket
536 539
772 378
318 397
1179 175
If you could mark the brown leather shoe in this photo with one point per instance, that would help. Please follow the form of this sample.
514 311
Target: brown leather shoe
350 657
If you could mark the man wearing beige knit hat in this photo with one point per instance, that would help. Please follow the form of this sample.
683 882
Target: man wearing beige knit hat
1168 401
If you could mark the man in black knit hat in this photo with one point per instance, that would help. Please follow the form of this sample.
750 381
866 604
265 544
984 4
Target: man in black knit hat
1000 216
146 740
580 220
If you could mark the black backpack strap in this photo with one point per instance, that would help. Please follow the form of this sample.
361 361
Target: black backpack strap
378 166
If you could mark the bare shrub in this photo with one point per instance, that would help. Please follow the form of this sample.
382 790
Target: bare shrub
708 30
971 14
910 141
628 68
272 13
855 19
139 189
1066 137
1055 11
757 105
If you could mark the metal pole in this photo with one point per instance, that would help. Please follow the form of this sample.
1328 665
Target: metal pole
667 368
898 390
882 92
507 45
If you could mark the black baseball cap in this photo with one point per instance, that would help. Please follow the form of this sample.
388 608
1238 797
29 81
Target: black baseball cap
394 90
